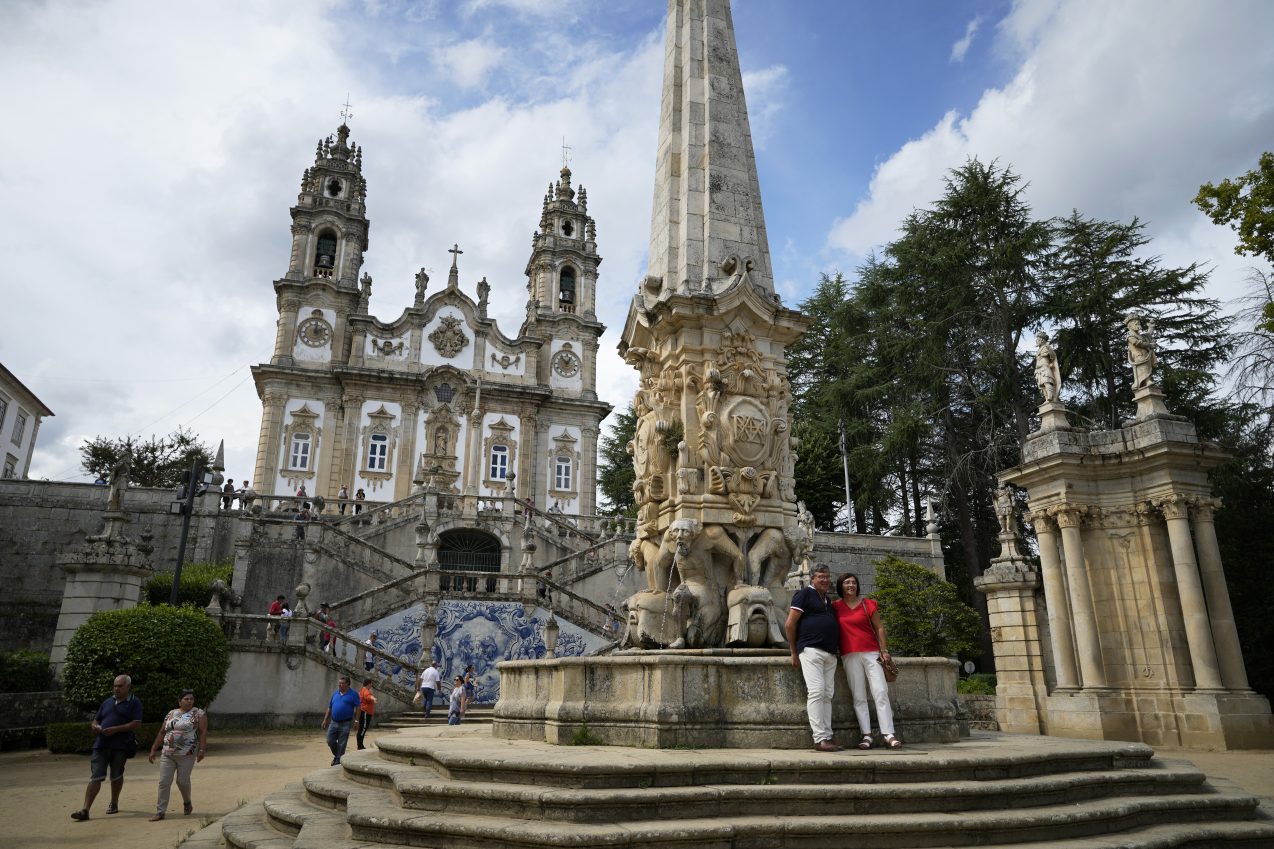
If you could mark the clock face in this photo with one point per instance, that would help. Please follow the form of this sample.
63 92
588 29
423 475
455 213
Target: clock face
566 363
315 332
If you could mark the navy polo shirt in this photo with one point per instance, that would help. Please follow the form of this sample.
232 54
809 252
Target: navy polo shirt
817 626
113 713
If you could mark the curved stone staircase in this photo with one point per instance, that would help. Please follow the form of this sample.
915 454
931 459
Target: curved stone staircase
457 787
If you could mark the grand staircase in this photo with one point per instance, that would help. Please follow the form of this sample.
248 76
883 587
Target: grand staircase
457 787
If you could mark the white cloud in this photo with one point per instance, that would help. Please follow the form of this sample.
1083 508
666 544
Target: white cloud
1118 110
469 62
961 47
766 89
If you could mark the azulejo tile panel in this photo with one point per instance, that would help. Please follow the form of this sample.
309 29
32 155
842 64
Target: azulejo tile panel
481 633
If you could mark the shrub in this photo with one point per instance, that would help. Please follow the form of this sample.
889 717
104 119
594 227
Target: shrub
977 684
25 671
923 614
165 650
66 738
195 587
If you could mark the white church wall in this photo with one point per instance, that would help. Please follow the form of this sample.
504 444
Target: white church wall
287 479
378 485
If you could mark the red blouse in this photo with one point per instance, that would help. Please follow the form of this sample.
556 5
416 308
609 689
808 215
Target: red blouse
856 631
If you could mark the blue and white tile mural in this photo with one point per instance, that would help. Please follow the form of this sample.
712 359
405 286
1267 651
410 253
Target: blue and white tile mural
479 632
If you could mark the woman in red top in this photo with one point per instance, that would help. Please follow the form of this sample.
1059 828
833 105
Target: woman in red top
862 646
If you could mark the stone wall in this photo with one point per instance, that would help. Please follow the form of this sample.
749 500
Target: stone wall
40 519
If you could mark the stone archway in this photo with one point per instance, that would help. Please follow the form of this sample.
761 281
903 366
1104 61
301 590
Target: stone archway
469 550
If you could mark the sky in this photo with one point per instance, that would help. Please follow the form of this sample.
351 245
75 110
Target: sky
153 149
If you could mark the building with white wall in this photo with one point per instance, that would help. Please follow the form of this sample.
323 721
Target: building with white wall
20 416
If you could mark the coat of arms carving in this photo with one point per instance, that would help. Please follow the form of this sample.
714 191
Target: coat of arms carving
448 338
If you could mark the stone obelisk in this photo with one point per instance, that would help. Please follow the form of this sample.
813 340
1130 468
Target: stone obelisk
713 450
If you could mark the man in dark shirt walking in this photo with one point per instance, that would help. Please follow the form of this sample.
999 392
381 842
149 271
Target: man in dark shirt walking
116 720
814 637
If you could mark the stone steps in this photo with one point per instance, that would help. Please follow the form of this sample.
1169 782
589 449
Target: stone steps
477 715
460 788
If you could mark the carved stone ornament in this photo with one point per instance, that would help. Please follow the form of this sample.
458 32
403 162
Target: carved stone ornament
565 362
505 361
315 331
448 338
386 347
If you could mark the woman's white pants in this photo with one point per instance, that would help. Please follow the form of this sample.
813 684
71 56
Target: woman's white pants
863 669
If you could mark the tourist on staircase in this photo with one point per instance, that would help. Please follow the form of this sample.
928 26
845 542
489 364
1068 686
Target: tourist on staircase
366 710
456 711
430 678
864 656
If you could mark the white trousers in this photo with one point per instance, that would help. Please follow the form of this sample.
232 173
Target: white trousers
819 669
862 670
170 767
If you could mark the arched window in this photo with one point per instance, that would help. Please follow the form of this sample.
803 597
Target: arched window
299 456
566 290
325 254
562 473
499 463
377 452
465 550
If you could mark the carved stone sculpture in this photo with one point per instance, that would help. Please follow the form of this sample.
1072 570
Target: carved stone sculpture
1048 376
119 483
1141 351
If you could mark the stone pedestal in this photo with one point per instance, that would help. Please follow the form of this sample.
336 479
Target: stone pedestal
706 698
1010 586
106 573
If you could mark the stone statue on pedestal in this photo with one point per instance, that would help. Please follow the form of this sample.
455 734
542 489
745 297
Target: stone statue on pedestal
1048 376
1141 350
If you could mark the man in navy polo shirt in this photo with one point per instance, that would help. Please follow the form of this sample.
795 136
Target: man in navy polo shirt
814 637
116 720
339 716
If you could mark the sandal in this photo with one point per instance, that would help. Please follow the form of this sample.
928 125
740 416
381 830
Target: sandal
80 815
892 742
187 808
112 808
156 818
865 743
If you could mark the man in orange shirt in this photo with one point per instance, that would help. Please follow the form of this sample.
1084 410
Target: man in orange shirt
366 709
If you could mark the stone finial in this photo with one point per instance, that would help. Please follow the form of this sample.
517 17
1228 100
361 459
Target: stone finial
219 465
453 276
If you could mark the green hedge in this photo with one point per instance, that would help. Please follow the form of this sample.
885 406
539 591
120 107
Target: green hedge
977 684
65 738
195 587
164 649
25 671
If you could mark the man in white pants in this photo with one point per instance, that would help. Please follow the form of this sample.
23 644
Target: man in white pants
429 678
814 637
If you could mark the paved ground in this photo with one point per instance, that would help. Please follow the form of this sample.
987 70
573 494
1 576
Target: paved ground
44 788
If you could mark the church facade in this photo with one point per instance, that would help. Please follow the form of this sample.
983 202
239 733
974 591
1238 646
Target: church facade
439 396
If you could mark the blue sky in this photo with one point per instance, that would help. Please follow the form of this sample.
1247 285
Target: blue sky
154 150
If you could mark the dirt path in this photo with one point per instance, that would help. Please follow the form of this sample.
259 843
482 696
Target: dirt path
43 789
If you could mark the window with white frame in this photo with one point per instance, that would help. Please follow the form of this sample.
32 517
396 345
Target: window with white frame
4 408
562 473
19 426
377 452
299 457
10 467
499 463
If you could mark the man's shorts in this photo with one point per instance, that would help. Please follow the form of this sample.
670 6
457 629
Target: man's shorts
103 758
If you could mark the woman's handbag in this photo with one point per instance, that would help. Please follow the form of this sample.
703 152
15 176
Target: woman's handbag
891 668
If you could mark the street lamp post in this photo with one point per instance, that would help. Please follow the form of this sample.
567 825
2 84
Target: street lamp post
186 507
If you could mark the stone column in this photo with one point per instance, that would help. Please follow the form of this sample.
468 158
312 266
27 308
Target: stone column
300 239
588 471
1087 639
344 441
1229 651
406 460
1059 609
1194 610
1010 585
272 403
528 453
285 333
